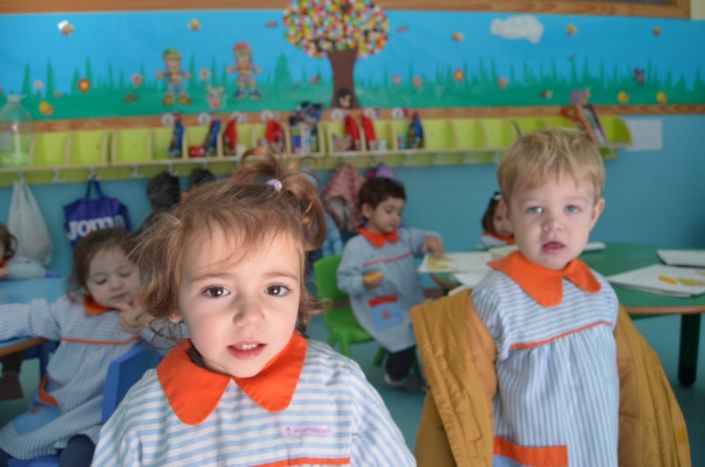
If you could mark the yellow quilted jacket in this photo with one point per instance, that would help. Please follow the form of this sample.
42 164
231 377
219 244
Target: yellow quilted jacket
458 357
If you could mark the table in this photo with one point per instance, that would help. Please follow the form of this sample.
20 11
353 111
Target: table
22 291
622 257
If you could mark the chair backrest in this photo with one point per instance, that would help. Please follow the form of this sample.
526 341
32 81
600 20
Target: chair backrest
124 372
325 272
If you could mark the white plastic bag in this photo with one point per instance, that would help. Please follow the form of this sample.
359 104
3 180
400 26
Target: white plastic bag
27 224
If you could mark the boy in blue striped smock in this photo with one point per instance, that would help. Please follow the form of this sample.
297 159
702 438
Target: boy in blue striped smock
247 389
551 317
379 273
66 413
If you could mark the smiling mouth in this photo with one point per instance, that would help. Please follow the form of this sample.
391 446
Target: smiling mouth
246 350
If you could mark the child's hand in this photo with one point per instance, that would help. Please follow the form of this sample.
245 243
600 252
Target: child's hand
132 318
374 280
434 246
4 273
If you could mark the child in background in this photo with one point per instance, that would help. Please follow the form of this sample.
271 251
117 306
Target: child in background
497 228
13 267
379 273
66 413
247 388
543 332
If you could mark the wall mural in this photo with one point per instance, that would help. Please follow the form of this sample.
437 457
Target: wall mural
341 53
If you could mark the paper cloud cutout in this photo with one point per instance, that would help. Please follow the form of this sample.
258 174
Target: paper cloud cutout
518 27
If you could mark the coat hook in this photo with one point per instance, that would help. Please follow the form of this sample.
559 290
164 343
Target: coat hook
135 172
57 178
92 174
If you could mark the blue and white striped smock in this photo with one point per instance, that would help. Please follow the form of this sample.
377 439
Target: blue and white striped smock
556 368
396 262
76 371
335 418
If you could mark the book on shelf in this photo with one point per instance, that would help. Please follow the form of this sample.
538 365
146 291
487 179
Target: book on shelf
663 280
689 258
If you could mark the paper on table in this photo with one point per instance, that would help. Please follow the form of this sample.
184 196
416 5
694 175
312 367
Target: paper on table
471 278
455 262
693 258
500 252
664 280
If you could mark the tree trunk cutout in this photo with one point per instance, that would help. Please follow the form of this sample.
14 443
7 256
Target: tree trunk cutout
342 63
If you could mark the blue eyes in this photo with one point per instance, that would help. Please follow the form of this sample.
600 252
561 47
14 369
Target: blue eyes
571 209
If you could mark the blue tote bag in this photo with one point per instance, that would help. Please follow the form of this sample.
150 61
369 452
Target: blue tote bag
85 215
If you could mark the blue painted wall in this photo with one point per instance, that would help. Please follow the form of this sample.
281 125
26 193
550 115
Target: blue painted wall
652 197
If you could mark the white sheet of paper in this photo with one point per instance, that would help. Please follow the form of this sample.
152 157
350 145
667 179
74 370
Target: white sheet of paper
455 262
665 280
647 134
692 258
471 278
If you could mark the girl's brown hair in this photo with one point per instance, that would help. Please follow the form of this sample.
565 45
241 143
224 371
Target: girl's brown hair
487 218
9 241
264 196
85 251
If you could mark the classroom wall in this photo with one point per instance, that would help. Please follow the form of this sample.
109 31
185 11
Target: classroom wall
697 9
652 197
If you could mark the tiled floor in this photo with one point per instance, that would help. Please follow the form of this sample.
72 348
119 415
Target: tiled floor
662 334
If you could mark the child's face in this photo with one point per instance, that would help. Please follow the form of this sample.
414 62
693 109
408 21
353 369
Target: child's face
240 313
385 218
553 221
112 278
500 221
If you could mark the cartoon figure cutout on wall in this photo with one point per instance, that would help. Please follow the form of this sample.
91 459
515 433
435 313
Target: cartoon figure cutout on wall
341 31
215 97
245 70
175 76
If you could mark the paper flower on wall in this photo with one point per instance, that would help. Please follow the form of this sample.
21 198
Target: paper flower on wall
518 27
417 82
65 28
457 36
502 82
46 108
194 25
204 74
396 79
622 97
459 75
137 80
571 29
661 97
84 85
657 31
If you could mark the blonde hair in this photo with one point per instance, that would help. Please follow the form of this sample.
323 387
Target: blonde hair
244 208
539 156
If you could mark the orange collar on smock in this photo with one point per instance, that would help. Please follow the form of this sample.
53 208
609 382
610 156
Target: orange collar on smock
92 307
378 239
542 284
194 392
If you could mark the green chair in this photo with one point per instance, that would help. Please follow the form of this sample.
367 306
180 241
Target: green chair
340 321
342 326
